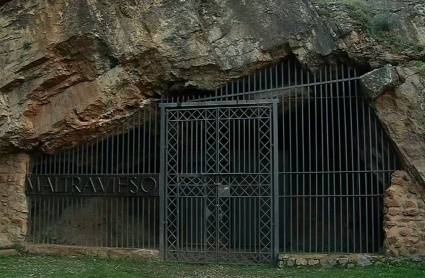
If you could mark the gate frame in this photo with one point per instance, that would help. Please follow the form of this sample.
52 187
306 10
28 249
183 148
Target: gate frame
274 167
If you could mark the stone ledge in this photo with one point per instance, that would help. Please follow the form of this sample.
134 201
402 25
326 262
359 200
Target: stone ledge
101 252
8 252
330 260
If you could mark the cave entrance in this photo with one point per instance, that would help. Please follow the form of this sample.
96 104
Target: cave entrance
229 184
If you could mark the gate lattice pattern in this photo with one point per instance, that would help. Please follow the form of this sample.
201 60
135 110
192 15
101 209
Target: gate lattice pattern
208 189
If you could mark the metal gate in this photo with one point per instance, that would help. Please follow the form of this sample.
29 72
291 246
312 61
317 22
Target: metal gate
218 182
241 177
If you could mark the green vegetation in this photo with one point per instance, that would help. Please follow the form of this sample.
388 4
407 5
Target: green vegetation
384 22
382 27
27 46
419 64
43 266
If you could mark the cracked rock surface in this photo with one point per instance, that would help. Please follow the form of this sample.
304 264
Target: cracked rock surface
71 70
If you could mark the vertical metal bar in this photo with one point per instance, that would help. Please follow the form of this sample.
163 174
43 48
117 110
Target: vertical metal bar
316 117
339 142
377 184
116 171
111 199
197 208
35 219
346 99
357 198
256 158
352 160
388 173
297 158
290 163
322 146
234 170
191 220
144 142
275 181
203 168
58 198
245 170
371 179
162 183
333 160
328 159
122 172
249 86
71 198
309 160
137 240
79 164
365 161
54 164
149 223
88 235
149 141
260 81
303 159
282 189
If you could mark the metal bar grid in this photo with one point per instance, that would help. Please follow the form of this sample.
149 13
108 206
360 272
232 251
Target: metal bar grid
335 168
208 178
102 194
283 160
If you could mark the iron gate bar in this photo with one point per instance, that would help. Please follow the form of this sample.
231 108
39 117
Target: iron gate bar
223 158
275 201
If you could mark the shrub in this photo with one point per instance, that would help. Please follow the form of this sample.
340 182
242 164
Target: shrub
384 22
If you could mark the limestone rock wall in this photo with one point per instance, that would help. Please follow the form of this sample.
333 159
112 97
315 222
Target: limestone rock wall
13 202
404 223
71 70
401 112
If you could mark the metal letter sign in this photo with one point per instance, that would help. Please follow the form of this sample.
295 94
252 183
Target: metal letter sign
218 183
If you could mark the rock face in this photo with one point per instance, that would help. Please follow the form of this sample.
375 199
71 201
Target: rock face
404 224
76 71
402 114
378 81
13 204
71 70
